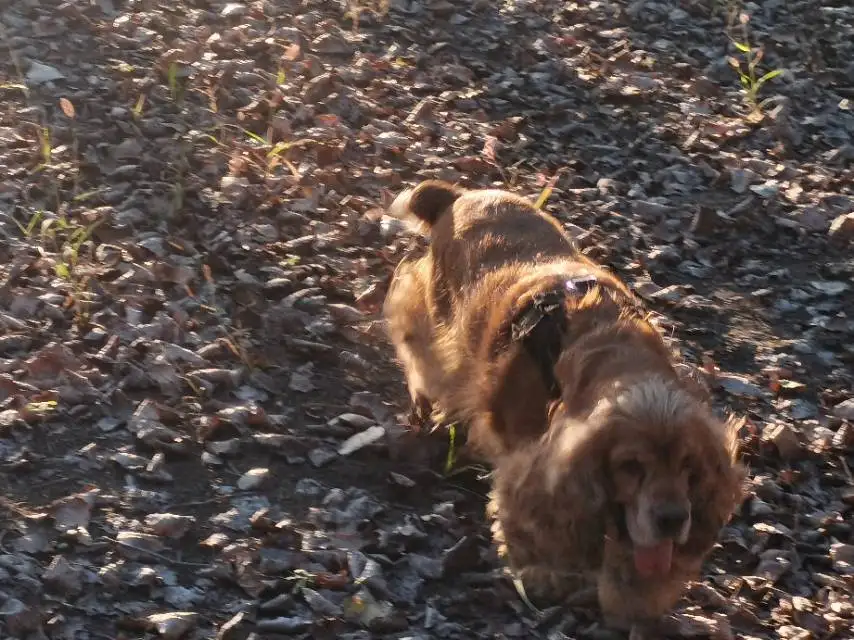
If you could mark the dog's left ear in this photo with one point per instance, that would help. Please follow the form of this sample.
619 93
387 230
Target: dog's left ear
738 470
732 427
719 489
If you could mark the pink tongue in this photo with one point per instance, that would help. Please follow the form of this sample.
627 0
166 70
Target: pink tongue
655 560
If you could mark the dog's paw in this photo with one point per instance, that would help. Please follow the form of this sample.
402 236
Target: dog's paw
543 587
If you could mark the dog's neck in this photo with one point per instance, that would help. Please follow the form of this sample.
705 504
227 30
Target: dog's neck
555 315
601 366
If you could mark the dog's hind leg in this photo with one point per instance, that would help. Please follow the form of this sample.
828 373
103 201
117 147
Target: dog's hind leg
411 331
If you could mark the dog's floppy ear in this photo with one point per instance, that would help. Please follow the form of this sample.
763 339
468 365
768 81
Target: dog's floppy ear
583 488
560 487
580 452
719 486
426 202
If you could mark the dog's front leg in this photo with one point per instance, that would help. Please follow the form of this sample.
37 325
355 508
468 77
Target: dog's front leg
420 412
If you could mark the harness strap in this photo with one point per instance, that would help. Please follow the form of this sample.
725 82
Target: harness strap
542 323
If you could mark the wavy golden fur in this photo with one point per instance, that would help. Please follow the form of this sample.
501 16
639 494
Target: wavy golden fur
624 475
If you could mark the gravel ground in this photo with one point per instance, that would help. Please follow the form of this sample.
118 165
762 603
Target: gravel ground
201 428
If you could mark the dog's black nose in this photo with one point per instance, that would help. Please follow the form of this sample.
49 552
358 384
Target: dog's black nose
670 518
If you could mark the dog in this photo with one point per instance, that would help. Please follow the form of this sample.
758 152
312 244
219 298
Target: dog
609 466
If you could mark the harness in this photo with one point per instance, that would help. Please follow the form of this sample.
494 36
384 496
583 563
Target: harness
542 323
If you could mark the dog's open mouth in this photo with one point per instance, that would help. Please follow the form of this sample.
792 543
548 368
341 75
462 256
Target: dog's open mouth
650 560
654 560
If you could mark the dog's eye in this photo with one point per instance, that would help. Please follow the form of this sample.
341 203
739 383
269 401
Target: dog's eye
693 477
692 472
631 468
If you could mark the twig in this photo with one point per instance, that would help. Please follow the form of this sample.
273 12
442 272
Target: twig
195 503
520 589
154 554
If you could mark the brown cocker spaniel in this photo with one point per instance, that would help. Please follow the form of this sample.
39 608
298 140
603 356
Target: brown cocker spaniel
608 465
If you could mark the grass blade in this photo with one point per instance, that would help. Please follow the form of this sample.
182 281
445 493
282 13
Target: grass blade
451 459
768 76
546 193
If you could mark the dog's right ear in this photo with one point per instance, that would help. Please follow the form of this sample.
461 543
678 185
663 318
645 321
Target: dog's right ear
579 451
427 201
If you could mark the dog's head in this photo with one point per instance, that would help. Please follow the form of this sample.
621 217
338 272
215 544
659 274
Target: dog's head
663 467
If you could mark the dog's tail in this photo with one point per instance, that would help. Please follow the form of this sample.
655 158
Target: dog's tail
426 202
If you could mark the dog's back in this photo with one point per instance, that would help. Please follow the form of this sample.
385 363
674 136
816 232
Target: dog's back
474 233
491 252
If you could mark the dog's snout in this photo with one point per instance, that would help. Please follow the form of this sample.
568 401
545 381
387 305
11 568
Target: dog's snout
670 518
